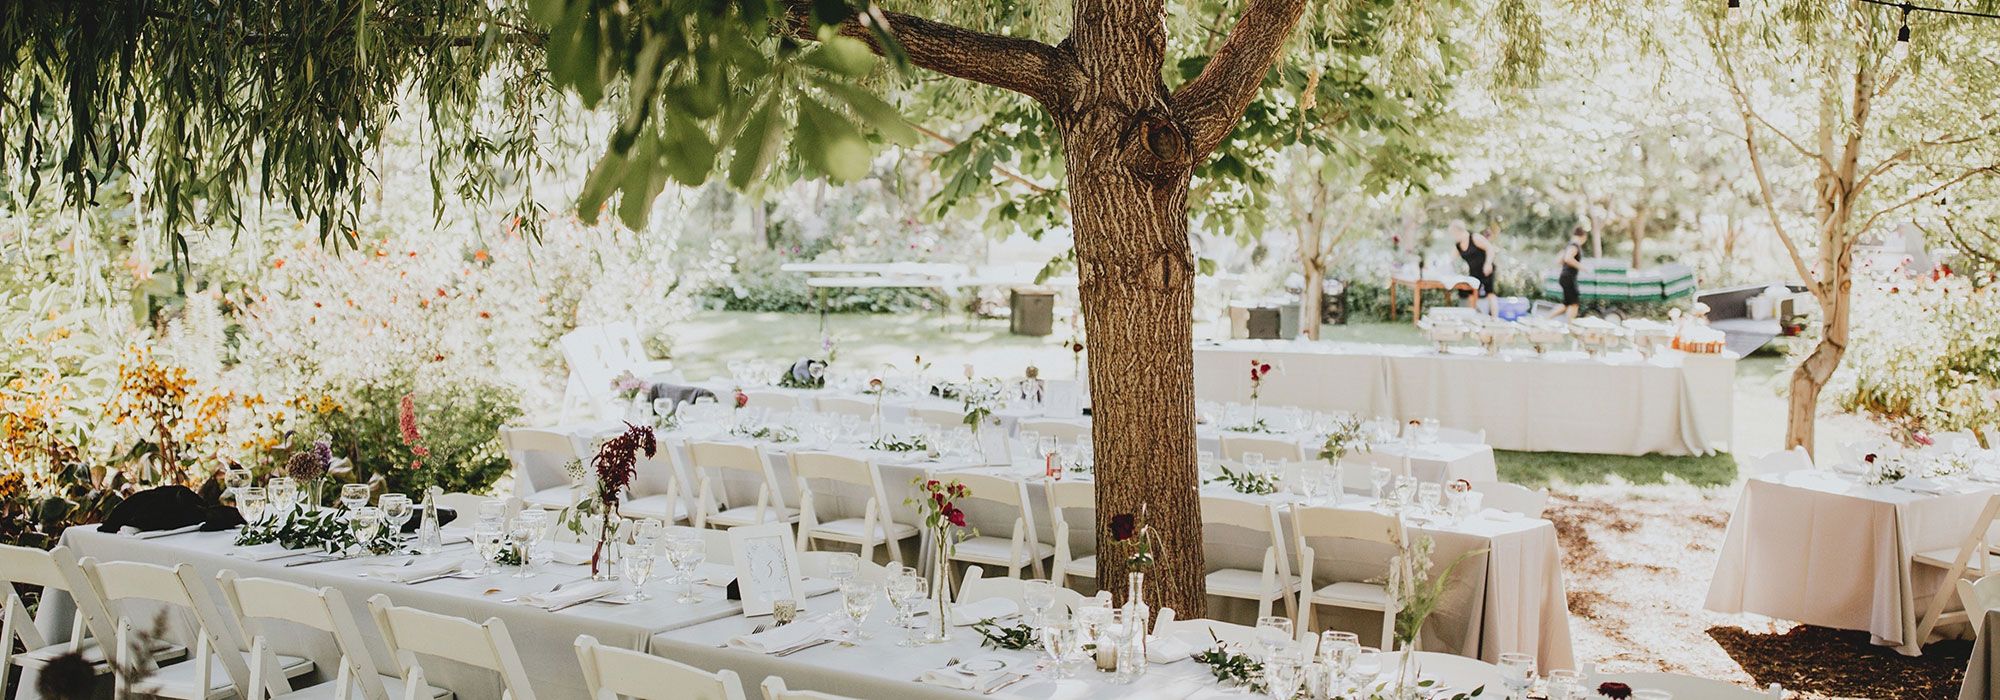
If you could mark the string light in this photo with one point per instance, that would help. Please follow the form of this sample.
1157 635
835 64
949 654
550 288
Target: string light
1902 48
1735 12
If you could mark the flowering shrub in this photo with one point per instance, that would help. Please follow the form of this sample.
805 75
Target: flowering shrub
411 440
1923 354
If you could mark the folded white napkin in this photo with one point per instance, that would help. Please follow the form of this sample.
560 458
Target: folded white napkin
1168 649
1505 516
414 568
782 637
718 575
571 553
150 534
583 590
975 673
989 609
264 552
1921 485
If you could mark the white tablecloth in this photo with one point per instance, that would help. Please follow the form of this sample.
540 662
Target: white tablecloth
546 640
1822 548
1563 401
877 668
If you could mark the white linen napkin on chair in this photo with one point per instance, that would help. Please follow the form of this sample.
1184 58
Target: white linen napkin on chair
975 673
583 590
571 553
972 613
1167 649
414 568
782 637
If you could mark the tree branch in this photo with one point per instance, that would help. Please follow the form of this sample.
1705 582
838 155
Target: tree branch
1026 66
1962 177
1212 102
1764 186
997 168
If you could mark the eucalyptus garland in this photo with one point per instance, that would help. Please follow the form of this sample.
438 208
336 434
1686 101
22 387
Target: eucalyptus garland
1247 482
1020 636
320 529
913 443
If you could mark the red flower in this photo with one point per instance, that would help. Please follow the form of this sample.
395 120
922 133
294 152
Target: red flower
483 314
1460 486
1122 526
1615 690
415 465
280 262
742 399
1265 368
956 516
932 484
1869 458
1923 439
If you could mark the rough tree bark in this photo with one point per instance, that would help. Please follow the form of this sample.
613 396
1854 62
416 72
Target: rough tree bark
1130 145
1312 258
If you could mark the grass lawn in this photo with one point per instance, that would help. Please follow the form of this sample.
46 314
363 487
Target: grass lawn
704 343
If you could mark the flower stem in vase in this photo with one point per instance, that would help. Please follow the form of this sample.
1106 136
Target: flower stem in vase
940 628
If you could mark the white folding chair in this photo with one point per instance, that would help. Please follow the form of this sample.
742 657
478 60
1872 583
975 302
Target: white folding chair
1779 461
1681 686
596 355
1956 440
774 689
745 459
408 632
716 542
1461 436
1235 445
1065 497
1201 631
940 418
876 526
219 669
1348 526
1978 597
610 672
977 586
55 570
655 491
1065 431
842 406
1513 498
254 600
1019 549
773 400
1274 580
538 456
1973 557
820 565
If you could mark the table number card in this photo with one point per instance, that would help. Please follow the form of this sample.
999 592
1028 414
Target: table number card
767 566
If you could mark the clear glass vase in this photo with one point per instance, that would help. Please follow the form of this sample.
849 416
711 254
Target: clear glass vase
1407 674
939 629
1138 619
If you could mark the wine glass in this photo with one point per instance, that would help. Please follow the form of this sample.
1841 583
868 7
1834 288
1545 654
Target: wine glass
1427 431
857 596
1284 673
250 501
1378 477
842 566
527 531
1517 672
1253 462
1058 638
649 531
1565 685
493 510
488 538
909 592
1403 491
1367 664
1038 595
1273 633
1428 494
397 509
688 554
364 522
283 491
235 479
353 496
637 558
1338 649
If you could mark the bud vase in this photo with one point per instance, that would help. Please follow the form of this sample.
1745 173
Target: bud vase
1138 621
1406 687
940 625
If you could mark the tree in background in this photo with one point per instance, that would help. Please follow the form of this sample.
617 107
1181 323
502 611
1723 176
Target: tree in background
1882 136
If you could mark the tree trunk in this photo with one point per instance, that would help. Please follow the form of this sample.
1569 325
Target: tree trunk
1310 310
1812 373
1136 280
1639 232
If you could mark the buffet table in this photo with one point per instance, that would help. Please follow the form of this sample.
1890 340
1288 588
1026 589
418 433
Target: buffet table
1823 548
1563 401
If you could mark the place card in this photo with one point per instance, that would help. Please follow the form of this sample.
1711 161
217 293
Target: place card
767 566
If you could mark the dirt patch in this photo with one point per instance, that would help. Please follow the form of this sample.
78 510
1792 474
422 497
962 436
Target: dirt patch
1637 561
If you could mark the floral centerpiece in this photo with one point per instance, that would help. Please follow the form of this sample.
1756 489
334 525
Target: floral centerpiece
628 386
1132 532
615 463
807 373
308 467
1344 439
1416 595
1884 469
937 505
1259 371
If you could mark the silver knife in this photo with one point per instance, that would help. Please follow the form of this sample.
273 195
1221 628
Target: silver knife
1016 679
320 560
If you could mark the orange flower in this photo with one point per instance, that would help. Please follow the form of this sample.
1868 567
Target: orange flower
279 263
479 255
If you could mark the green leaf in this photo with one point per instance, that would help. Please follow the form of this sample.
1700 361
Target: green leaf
842 55
881 115
1205 266
641 183
830 143
598 186
688 153
752 146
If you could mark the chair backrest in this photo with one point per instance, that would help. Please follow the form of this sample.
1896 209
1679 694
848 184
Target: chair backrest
538 456
1252 515
987 487
774 689
715 541
843 406
30 567
1234 446
1064 495
1681 686
622 345
52 570
252 600
1977 543
1202 632
819 565
1345 524
836 467
772 400
118 581
1066 431
408 632
945 418
610 671
1513 498
1979 596
726 455
593 358
466 506
1780 461
977 586
655 475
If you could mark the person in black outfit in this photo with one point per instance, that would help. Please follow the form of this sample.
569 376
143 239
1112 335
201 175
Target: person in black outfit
1572 263
1477 252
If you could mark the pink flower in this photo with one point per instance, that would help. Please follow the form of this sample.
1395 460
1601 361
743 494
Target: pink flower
1923 439
415 465
407 419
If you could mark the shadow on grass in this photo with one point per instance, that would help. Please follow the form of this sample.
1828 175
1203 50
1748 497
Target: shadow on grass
1842 663
1541 468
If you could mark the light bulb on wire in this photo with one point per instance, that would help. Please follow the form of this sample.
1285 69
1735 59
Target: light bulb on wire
1735 14
1902 48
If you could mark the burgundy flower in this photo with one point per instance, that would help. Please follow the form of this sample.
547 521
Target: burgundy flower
956 516
1869 458
742 399
1264 368
1460 486
1615 690
1122 526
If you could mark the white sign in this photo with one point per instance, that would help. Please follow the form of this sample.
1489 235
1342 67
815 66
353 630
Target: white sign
767 566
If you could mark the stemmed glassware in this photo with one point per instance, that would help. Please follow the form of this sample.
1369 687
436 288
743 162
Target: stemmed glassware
397 509
250 501
1367 665
1284 672
1565 685
488 537
235 479
524 533
842 566
1273 634
908 592
1058 638
1378 477
364 522
687 555
353 496
857 597
1038 595
1517 672
637 558
1428 495
284 492
1337 650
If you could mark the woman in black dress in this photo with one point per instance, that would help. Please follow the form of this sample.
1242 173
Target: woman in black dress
1572 263
1477 252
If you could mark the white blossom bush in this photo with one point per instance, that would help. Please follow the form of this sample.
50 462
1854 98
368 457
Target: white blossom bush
1924 354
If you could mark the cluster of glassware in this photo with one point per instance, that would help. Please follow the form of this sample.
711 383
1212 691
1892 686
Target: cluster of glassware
495 533
1033 448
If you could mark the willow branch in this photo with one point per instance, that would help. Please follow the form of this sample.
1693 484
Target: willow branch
997 169
1212 102
1927 194
1040 71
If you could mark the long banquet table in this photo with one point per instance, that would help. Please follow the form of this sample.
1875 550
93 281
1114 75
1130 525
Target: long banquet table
1824 548
1564 401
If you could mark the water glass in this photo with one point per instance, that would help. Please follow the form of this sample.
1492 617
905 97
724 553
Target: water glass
1517 672
1367 665
1337 650
353 496
857 597
1428 494
250 501
1058 638
1404 491
637 559
1273 634
909 593
1284 673
1565 685
236 478
283 491
688 554
1038 595
524 534
488 538
842 566
365 522
1378 477
397 509
493 510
